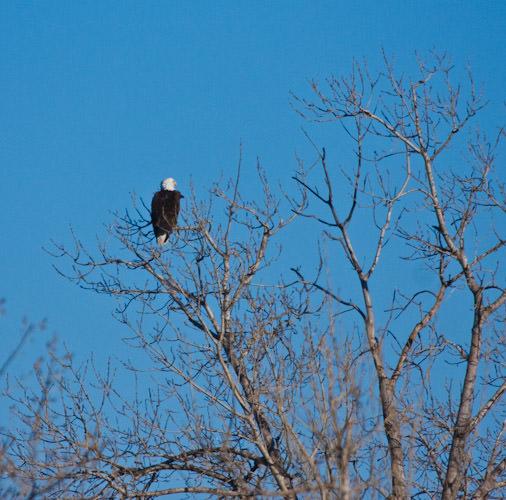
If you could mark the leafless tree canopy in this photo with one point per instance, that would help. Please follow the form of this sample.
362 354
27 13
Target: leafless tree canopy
372 369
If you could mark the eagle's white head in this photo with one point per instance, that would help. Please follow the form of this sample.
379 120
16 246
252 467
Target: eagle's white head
169 184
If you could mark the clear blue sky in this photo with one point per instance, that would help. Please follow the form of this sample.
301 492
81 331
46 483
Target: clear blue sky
98 99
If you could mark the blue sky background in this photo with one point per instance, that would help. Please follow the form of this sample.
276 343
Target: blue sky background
99 99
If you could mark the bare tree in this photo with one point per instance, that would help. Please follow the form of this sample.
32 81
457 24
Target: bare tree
10 487
248 391
373 370
451 219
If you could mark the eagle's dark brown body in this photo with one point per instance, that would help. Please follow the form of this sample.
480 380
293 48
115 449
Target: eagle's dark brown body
164 212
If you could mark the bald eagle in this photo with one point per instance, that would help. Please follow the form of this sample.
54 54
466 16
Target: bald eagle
164 210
